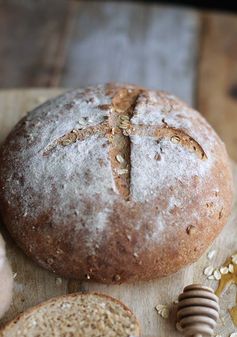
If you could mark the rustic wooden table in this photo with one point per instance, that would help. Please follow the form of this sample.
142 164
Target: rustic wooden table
74 43
190 53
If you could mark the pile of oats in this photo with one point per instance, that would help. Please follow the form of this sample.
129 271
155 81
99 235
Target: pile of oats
163 310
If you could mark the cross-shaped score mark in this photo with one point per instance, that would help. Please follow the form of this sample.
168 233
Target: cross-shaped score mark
118 129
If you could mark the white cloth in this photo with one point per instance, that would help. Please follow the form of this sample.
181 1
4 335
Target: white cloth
6 280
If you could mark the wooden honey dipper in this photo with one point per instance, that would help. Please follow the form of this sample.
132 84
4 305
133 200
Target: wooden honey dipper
198 311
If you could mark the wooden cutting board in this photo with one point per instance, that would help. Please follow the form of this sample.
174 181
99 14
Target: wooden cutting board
34 284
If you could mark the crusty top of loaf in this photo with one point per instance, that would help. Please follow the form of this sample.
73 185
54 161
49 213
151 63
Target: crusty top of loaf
81 154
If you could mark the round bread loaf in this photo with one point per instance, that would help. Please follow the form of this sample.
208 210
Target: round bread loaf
75 315
114 183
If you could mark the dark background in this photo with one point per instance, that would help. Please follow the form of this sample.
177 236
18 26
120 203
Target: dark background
219 5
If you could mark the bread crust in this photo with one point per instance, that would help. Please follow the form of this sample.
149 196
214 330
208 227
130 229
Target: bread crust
34 309
78 209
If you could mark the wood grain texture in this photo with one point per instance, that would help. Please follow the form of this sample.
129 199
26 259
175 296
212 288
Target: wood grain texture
73 43
217 85
153 46
34 38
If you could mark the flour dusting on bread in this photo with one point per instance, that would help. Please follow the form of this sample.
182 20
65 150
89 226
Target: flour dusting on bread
149 168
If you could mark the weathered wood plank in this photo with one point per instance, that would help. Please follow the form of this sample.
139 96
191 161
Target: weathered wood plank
217 85
34 37
154 46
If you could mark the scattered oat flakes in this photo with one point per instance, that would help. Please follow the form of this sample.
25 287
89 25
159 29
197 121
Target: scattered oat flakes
231 268
224 270
120 158
162 310
66 142
217 275
14 276
165 313
234 334
110 138
234 258
175 139
123 126
122 171
160 307
83 121
211 254
124 117
211 277
126 132
208 271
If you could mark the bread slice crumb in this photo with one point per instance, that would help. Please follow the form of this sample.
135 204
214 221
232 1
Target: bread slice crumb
75 315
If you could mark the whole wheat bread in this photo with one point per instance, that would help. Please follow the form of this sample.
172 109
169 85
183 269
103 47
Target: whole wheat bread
114 183
75 315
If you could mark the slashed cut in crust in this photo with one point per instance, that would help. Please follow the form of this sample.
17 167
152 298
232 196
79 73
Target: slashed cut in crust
114 183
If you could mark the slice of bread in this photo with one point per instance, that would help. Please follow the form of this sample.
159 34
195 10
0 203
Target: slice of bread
75 315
